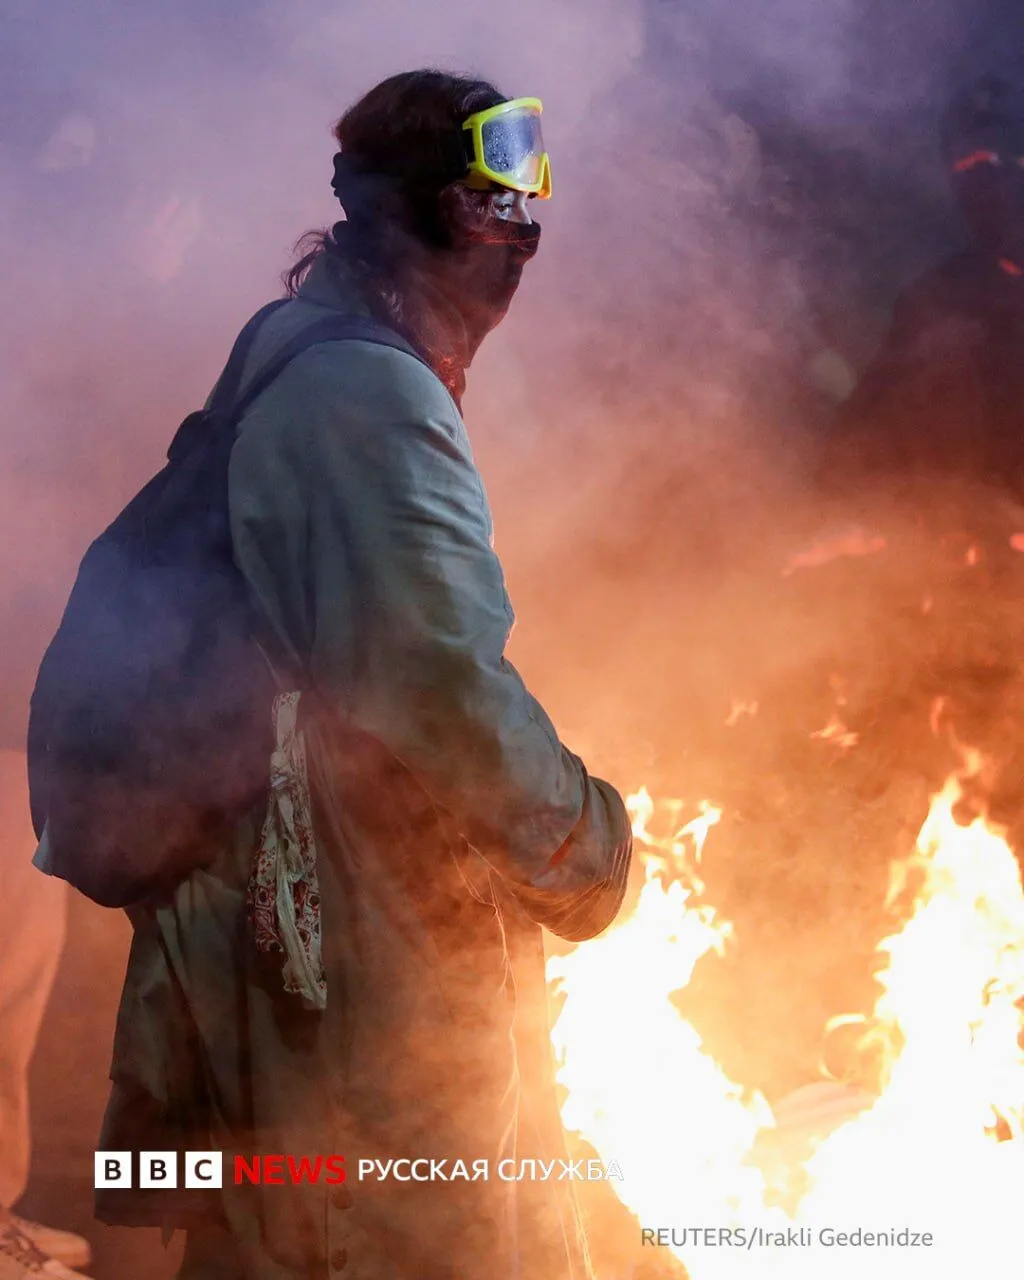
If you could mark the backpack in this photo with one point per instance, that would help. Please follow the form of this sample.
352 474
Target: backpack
150 728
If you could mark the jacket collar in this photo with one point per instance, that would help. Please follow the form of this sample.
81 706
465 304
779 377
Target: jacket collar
422 312
333 284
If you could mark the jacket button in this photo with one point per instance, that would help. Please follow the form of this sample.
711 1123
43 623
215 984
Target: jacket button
338 1259
341 1198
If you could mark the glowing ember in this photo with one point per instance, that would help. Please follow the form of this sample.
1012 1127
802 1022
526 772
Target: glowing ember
938 710
854 542
937 1149
837 733
740 709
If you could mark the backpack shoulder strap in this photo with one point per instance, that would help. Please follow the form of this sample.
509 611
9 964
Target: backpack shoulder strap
336 327
226 391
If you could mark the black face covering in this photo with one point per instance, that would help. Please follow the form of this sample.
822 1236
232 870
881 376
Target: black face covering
444 290
486 273
458 295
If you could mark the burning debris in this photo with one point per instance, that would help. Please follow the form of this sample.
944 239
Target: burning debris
935 1144
738 710
852 543
837 733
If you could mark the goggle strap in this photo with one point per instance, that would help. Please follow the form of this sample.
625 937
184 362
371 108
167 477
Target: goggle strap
456 162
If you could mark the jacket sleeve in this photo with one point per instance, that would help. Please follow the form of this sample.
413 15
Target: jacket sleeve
354 475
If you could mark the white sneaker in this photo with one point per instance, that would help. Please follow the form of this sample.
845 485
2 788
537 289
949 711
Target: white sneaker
20 1259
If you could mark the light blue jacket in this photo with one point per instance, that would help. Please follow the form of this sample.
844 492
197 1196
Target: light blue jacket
451 824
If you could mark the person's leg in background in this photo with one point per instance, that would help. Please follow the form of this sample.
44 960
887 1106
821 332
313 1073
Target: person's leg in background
33 919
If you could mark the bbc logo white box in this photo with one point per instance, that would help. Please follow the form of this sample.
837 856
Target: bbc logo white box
203 1169
112 1169
158 1169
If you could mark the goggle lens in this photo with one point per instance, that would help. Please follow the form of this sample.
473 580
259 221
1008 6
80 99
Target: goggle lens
505 147
513 145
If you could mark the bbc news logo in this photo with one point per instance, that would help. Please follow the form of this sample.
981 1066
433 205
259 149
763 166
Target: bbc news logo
151 1170
204 1170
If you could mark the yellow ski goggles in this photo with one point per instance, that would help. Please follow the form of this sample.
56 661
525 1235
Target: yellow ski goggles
505 146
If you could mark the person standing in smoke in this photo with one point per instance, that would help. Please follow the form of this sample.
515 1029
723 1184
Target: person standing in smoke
945 397
32 925
902 594
908 592
45 142
929 451
404 1015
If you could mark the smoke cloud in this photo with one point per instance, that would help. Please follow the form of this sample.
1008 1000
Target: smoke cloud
740 192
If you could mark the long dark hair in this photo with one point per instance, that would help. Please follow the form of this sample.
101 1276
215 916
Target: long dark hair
399 134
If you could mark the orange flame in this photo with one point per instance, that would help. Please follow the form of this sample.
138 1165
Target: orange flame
937 1149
